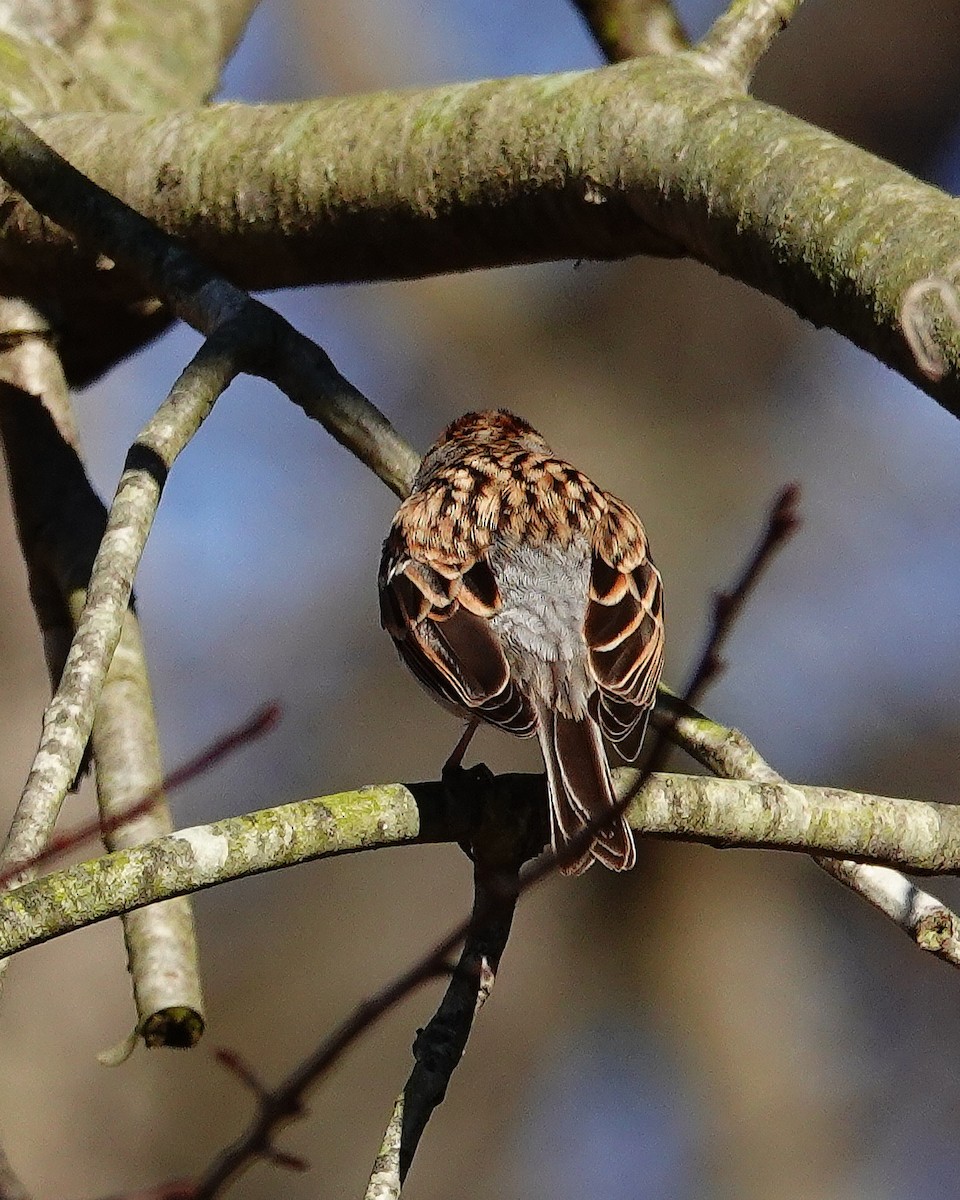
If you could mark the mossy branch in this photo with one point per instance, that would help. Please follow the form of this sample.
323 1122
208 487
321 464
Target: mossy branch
909 834
651 155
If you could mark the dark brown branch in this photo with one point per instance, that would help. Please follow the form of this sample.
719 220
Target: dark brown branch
631 28
782 523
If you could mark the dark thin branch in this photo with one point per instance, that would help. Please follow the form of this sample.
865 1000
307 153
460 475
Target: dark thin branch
631 28
782 523
277 1107
440 1045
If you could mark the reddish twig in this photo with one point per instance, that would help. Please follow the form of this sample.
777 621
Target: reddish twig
261 722
782 523
284 1103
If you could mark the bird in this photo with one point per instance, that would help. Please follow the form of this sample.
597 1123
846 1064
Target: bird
522 594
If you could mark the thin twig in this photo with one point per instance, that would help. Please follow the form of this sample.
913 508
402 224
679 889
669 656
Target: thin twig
631 28
741 36
782 523
260 723
284 1103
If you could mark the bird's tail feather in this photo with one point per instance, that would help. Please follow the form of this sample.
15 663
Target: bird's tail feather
581 791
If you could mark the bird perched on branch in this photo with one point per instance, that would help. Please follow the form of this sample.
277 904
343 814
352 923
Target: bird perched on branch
522 594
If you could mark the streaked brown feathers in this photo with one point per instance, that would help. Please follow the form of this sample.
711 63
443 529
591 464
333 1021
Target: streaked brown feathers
482 589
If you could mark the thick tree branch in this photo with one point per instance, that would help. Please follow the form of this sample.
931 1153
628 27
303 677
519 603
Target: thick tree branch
909 834
651 154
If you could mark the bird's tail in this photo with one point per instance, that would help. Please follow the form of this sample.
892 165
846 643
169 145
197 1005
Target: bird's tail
581 791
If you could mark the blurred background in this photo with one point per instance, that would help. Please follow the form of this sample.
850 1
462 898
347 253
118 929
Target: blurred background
715 1025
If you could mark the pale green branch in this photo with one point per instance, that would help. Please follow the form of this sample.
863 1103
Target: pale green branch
741 36
909 834
651 155
727 752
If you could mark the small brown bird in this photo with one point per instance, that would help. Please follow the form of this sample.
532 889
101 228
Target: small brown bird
522 594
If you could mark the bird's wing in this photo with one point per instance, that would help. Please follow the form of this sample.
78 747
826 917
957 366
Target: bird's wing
438 614
624 628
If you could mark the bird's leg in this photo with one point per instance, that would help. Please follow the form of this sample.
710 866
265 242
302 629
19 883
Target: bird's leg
460 749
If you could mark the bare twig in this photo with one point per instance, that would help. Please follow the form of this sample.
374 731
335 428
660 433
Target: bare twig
261 722
284 1103
631 28
782 523
741 36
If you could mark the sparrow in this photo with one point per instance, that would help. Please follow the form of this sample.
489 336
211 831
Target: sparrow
522 594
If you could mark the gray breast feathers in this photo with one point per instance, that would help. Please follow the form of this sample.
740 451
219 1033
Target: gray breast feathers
544 590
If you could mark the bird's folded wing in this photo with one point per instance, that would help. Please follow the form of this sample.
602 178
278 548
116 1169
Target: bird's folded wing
440 623
624 628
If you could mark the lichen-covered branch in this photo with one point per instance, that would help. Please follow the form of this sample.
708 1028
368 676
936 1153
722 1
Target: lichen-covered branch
60 522
161 940
104 54
385 1181
741 35
909 834
727 752
630 28
68 720
647 155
